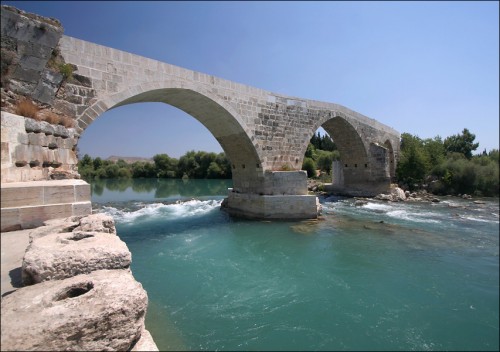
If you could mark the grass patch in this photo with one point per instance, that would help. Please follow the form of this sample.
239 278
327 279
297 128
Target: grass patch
52 118
67 122
27 108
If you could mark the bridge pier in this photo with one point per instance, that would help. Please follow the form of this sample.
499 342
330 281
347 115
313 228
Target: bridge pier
277 195
286 207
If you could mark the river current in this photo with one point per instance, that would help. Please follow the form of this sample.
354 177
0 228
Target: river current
378 276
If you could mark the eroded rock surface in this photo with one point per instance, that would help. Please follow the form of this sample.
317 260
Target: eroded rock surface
100 311
61 255
98 223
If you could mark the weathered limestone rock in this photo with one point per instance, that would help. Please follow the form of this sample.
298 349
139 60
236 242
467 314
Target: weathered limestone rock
397 194
101 311
145 343
28 42
386 197
54 226
30 148
61 255
63 175
98 223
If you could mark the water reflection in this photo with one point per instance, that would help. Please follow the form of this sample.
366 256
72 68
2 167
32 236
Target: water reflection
152 189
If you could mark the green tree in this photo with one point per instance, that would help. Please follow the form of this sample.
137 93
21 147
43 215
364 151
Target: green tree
316 141
86 161
310 166
310 151
325 160
214 170
122 163
224 164
327 143
461 143
166 167
413 164
187 165
97 163
434 148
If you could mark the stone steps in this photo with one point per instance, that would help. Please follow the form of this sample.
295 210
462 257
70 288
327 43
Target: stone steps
28 204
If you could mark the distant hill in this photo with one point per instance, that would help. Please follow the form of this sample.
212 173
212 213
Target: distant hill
129 159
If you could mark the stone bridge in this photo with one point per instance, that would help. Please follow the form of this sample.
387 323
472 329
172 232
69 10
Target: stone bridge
264 134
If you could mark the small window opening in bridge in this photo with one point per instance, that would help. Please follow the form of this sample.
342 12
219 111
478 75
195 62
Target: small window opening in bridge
345 165
258 165
355 165
366 165
242 166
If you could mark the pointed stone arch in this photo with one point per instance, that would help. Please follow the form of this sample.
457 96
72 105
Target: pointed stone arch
219 118
353 155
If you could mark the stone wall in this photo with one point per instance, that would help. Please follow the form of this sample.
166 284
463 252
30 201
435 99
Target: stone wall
285 183
285 207
32 66
36 150
27 44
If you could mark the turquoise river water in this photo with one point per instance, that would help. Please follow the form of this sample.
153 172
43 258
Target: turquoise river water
381 276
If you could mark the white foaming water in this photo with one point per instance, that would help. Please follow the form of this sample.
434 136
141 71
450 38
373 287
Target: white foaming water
409 216
473 218
168 211
399 211
377 206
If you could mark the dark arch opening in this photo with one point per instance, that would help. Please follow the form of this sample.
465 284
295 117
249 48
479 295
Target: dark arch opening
353 163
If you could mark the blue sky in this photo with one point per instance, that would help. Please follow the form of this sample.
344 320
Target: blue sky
426 68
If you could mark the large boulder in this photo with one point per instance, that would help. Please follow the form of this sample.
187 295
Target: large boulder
97 222
100 311
398 194
146 342
61 255
52 226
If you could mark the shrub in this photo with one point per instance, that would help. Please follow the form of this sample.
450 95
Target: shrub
66 70
28 109
52 118
286 167
310 166
67 122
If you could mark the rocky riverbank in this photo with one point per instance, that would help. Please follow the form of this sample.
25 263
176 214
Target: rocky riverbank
79 292
396 194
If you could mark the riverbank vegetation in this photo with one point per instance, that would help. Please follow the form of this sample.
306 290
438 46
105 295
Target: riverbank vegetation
320 154
440 166
448 166
190 165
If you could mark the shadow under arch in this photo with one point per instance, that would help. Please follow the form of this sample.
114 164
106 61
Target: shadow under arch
354 160
392 162
217 116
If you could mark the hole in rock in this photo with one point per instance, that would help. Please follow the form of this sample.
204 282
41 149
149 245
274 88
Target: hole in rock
80 236
76 290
